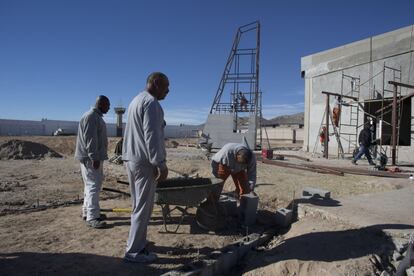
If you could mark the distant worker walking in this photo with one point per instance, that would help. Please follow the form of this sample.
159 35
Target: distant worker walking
144 155
238 161
365 141
91 151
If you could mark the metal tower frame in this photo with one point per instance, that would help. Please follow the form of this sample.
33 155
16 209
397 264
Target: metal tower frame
240 78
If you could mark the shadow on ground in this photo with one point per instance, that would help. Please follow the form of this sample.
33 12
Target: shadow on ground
327 202
31 263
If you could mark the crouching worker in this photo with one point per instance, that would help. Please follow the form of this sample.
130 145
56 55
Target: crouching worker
238 161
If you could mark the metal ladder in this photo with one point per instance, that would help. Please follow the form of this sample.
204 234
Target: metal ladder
348 130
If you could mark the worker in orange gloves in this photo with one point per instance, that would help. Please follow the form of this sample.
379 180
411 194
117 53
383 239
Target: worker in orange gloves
238 161
336 111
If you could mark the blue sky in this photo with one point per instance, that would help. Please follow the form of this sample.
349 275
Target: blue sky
56 56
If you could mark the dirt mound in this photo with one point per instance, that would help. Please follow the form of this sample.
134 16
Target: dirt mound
17 149
171 143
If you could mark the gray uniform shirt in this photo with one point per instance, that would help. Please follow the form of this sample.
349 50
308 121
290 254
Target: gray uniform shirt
227 156
144 132
92 141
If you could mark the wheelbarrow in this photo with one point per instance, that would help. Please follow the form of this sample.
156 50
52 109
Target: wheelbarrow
183 193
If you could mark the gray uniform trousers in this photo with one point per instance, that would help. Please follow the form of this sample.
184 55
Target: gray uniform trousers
142 185
92 180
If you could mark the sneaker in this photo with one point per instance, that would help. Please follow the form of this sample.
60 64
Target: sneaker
102 217
96 223
143 257
354 162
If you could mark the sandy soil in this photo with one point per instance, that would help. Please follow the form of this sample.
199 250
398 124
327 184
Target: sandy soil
56 241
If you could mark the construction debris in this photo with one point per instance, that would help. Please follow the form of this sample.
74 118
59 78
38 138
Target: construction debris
220 262
302 167
315 192
340 171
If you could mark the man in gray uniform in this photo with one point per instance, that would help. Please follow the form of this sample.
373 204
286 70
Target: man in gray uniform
143 152
91 151
238 161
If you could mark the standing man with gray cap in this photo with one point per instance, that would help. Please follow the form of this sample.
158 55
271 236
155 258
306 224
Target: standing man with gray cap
91 151
143 152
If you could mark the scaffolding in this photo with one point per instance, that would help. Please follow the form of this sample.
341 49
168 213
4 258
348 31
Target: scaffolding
238 91
347 130
386 93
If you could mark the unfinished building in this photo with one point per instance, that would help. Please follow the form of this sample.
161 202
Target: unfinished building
371 81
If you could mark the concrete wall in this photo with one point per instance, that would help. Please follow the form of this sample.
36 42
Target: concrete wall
283 133
47 127
220 129
363 59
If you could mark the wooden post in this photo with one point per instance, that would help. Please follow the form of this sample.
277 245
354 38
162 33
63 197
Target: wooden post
325 151
293 136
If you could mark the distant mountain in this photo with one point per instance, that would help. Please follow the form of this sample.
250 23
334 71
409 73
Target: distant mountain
294 119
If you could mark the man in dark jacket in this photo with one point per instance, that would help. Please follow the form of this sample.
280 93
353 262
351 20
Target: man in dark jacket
364 140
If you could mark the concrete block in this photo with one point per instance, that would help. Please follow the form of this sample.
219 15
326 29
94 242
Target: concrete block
248 209
410 271
229 205
283 217
401 246
396 256
315 192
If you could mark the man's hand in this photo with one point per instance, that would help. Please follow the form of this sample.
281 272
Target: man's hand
95 164
161 174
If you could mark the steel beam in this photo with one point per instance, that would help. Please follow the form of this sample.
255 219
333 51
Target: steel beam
326 142
394 126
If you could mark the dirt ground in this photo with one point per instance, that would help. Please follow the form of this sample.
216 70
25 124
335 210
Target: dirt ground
56 241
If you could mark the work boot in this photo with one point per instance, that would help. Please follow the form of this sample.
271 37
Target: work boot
96 223
102 217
